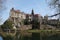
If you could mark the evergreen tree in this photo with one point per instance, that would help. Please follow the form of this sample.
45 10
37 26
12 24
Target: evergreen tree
7 25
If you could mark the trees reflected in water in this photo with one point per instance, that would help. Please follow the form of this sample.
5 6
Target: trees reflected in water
33 36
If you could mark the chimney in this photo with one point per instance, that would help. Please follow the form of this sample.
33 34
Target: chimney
12 9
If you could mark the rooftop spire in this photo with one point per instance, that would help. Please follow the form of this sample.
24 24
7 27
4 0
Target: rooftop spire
32 12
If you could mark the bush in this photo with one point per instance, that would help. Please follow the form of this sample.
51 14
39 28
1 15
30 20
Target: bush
26 22
35 24
7 25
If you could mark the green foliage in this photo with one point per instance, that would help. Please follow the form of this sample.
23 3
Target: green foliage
35 24
26 22
7 25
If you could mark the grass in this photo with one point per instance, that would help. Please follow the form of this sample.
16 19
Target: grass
31 31
43 31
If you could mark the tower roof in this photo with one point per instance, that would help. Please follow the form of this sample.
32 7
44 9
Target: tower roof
32 12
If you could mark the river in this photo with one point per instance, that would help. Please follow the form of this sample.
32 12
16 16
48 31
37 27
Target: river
33 36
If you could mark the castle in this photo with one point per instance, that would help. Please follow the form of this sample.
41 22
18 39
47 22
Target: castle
17 17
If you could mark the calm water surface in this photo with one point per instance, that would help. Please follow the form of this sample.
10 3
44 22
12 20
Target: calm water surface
1 38
33 36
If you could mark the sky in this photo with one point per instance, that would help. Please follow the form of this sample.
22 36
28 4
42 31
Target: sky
39 6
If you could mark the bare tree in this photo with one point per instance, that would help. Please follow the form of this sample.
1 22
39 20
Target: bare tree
55 4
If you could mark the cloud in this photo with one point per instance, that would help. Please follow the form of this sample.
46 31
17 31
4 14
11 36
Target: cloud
2 5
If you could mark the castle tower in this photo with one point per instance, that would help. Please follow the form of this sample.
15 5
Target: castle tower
32 12
35 23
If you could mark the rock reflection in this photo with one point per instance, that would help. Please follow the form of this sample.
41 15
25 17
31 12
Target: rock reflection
33 36
23 36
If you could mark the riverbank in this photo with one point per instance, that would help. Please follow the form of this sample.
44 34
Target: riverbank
37 31
34 30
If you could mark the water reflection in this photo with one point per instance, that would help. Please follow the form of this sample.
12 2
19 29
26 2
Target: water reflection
1 38
52 37
23 36
33 36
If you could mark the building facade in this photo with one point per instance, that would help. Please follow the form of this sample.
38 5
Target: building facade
16 16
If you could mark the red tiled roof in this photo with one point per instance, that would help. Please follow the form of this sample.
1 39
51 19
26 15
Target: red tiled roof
36 15
18 11
28 15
